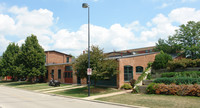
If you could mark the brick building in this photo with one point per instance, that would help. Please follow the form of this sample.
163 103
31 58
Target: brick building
59 67
131 64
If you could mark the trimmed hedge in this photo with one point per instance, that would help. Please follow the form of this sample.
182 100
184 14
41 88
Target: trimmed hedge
191 74
178 81
181 90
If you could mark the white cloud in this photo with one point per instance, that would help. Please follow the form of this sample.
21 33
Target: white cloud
183 15
4 43
117 36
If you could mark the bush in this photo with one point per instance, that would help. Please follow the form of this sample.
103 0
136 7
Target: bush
136 90
161 60
178 81
182 63
149 76
151 89
181 90
132 82
191 74
126 87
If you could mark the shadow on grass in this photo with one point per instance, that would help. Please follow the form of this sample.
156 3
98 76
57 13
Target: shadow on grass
18 83
83 92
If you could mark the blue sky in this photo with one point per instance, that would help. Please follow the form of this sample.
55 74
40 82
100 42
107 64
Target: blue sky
115 24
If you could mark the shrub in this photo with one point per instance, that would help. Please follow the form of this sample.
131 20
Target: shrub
136 90
161 60
182 63
132 82
191 74
151 89
149 64
179 80
149 76
126 87
173 89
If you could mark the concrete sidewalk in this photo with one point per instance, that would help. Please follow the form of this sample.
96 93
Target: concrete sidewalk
62 89
107 95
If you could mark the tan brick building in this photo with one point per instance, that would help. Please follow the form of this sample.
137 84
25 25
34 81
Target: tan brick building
59 67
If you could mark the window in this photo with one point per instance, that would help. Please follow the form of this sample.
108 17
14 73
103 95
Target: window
59 73
139 69
52 74
68 68
67 59
128 73
146 51
47 74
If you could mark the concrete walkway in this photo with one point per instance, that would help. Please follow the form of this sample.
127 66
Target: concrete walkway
107 95
62 89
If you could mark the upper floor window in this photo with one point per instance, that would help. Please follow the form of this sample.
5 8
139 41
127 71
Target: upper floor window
139 69
67 59
68 68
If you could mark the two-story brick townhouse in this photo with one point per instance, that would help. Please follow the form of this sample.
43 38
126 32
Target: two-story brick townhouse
59 67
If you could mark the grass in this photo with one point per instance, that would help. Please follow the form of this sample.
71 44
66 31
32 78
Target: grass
155 101
27 85
83 92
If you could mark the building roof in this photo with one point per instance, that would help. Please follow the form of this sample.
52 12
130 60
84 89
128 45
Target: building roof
134 55
58 52
54 64
132 50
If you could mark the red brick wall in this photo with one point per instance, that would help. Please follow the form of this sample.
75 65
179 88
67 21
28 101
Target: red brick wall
54 57
134 62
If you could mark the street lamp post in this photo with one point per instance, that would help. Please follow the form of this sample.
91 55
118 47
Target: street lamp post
85 5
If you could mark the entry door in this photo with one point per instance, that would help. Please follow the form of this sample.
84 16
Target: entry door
68 77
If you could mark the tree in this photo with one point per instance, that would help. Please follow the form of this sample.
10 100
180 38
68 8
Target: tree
161 60
188 36
102 68
9 57
186 40
32 58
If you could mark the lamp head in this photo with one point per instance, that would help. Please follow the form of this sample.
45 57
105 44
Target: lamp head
85 5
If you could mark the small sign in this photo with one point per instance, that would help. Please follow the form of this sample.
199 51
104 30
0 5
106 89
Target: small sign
89 71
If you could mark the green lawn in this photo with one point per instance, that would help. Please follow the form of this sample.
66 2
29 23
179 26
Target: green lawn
155 101
27 85
83 92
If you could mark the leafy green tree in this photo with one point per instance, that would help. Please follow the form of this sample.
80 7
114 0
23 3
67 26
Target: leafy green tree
186 40
102 68
161 60
9 64
188 36
168 46
32 58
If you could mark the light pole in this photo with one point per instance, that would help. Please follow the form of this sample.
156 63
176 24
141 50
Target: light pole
85 5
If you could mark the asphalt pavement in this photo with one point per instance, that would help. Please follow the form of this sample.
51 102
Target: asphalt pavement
17 98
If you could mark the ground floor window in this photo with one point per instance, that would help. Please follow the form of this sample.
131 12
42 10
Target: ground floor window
128 73
59 73
52 73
